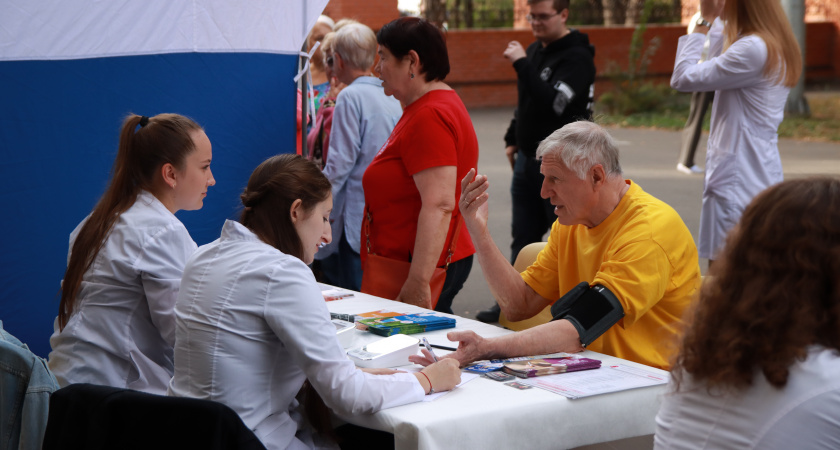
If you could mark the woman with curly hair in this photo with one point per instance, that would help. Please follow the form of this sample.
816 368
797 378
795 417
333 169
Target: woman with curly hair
758 366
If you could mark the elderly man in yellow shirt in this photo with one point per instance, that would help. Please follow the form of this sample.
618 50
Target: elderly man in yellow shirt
623 261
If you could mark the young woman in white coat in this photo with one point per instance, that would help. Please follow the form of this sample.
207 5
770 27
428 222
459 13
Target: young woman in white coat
753 61
116 324
252 324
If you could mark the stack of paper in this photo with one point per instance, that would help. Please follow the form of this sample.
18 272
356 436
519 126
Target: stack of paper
549 366
407 324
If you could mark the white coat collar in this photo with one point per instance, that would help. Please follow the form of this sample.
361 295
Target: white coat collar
233 230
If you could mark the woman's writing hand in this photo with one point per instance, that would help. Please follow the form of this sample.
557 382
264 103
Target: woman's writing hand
443 375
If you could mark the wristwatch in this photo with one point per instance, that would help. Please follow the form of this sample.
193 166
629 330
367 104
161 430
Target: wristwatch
703 22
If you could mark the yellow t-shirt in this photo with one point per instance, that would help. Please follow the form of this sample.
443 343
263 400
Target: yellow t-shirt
645 255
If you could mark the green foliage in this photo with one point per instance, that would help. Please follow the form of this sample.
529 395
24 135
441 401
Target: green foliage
462 14
635 96
631 92
823 125
591 12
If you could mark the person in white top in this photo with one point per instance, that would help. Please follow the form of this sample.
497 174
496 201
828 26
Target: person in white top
759 365
753 61
115 324
252 324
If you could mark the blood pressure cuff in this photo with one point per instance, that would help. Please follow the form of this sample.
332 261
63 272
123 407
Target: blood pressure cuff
592 310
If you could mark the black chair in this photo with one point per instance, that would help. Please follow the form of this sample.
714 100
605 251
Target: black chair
86 416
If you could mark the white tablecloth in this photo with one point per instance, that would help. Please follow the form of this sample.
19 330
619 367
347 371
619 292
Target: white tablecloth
487 414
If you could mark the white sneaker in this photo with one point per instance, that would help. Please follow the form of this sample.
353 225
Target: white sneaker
695 169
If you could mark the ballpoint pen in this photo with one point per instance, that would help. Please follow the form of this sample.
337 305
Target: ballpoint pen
429 349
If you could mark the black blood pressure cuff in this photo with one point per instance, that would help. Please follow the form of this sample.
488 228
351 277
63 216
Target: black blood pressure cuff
592 310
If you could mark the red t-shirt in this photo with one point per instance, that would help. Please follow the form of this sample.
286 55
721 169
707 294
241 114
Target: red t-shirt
434 131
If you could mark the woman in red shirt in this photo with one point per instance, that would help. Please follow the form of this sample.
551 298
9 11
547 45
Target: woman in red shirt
411 187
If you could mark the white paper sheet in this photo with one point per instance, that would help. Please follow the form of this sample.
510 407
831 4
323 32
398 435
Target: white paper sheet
587 383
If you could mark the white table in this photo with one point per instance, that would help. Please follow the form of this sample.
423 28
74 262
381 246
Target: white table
487 414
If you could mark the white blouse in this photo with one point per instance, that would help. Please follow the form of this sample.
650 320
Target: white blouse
252 325
742 156
805 414
122 330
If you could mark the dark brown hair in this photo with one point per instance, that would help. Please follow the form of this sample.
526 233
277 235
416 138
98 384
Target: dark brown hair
166 138
273 187
558 5
413 33
774 292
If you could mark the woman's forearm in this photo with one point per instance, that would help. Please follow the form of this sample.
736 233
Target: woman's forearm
432 227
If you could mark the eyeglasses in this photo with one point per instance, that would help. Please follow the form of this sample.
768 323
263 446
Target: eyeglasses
531 18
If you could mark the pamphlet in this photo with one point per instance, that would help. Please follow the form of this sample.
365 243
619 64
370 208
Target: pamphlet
549 366
497 364
406 324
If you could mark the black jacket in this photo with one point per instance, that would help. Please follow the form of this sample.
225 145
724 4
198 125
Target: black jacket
555 86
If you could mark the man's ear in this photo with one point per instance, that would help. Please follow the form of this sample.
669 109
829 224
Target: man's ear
564 15
296 211
169 174
597 175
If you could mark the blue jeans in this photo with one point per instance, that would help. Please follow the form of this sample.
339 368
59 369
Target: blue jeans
456 276
343 268
532 215
26 384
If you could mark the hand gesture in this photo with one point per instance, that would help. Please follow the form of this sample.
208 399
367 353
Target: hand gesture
473 203
470 348
711 9
514 51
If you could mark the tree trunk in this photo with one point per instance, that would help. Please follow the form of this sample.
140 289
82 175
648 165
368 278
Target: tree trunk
468 13
434 11
796 102
632 15
609 11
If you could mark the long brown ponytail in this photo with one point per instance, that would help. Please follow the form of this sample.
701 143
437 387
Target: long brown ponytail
161 139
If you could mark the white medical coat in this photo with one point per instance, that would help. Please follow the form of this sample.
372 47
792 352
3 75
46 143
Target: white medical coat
801 415
742 156
252 325
122 330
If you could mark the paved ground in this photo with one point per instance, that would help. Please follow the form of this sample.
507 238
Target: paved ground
648 157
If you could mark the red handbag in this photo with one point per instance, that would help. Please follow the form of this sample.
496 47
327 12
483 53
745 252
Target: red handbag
384 277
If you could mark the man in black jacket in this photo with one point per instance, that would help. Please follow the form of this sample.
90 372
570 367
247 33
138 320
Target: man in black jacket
555 77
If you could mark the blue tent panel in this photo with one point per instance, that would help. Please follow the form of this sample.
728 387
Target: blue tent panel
59 128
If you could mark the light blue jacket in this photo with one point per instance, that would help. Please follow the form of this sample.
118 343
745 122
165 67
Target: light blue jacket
26 385
362 121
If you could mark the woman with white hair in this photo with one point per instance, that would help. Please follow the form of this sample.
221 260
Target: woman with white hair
362 121
754 62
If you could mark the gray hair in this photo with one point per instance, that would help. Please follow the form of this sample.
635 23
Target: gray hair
582 145
356 44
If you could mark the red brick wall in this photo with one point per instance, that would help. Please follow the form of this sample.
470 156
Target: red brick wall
483 77
373 13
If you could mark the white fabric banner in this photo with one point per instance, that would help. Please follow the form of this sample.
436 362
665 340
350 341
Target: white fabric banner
71 29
